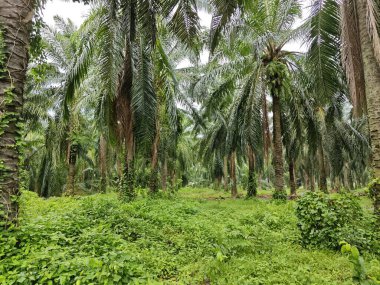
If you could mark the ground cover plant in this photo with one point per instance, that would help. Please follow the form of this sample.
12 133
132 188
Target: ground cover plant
191 238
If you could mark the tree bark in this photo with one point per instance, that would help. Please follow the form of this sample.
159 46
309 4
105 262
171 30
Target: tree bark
103 163
233 174
372 83
266 132
153 183
225 173
164 174
218 180
119 166
173 179
322 170
252 183
292 179
312 182
277 147
15 23
352 58
72 160
306 180
124 117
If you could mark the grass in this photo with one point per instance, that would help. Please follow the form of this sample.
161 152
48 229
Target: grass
201 236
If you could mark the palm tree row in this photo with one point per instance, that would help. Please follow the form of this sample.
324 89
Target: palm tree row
108 103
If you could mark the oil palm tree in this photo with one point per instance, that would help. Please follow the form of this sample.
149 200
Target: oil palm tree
129 31
61 112
15 25
356 23
264 61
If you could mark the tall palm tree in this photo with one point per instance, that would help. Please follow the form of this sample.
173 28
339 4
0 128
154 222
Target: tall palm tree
268 26
129 29
15 25
370 46
357 21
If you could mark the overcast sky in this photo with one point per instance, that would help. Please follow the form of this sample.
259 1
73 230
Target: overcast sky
78 11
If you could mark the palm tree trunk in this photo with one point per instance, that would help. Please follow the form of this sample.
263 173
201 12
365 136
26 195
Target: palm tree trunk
266 132
103 163
292 179
372 83
312 182
306 180
164 174
233 174
128 187
72 160
352 58
322 170
153 183
347 178
15 23
252 184
173 179
124 116
277 149
119 166
225 173
218 180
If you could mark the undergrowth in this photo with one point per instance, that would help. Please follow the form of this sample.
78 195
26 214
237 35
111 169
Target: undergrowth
164 240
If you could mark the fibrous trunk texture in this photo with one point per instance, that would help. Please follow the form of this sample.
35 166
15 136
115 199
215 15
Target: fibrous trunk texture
124 117
164 174
72 160
266 132
322 170
292 179
278 163
352 59
252 184
153 183
15 24
103 163
372 83
233 174
225 173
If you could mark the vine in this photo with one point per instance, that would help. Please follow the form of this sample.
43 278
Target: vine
9 115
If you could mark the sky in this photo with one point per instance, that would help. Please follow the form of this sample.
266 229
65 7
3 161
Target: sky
78 11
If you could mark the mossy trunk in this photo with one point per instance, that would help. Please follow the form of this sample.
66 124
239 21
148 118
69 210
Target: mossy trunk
15 24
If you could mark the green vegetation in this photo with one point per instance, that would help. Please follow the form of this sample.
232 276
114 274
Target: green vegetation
325 220
123 131
195 237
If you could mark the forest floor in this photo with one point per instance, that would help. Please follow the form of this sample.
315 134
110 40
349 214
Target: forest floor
199 236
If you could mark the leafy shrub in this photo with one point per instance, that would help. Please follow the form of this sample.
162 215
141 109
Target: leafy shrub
324 220
99 240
